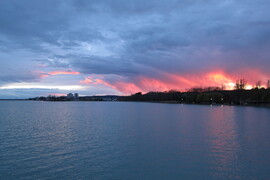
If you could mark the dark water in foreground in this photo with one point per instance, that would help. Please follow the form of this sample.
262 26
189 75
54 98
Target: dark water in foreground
122 140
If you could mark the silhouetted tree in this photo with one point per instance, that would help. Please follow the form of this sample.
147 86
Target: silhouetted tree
268 84
138 94
258 85
196 89
223 87
240 84
214 88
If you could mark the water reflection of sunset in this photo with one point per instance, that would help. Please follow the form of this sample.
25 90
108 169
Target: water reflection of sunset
223 140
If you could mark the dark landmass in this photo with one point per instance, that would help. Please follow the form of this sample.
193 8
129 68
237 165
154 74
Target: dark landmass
257 97
77 98
253 97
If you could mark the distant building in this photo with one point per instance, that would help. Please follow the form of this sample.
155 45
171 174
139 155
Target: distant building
73 97
70 96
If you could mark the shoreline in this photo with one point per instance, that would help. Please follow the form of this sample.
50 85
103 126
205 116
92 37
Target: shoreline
203 104
161 102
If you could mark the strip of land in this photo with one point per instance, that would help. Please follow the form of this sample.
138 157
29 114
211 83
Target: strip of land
257 97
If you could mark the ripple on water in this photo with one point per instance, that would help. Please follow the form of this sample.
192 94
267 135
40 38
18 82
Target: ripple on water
103 140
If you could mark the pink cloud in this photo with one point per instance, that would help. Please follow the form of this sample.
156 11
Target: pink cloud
63 72
180 82
46 74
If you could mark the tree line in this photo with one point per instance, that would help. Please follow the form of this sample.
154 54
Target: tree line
258 95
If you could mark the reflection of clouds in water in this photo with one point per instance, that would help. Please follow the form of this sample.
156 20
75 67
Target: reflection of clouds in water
223 139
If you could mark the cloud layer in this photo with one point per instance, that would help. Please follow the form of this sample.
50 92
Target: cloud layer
134 45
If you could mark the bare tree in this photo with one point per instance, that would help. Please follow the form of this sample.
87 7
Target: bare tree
258 85
196 89
268 84
223 87
240 84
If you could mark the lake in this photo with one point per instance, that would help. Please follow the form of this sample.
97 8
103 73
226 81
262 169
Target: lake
126 141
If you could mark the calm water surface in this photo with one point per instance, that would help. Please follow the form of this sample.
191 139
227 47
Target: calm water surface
122 140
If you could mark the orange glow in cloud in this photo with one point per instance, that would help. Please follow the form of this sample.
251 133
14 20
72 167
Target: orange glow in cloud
46 74
220 79
124 87
183 82
127 88
89 80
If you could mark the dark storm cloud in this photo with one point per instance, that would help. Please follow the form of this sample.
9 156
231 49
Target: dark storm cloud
16 77
132 38
30 24
103 65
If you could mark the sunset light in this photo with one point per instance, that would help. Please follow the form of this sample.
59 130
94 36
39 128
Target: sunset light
135 89
142 54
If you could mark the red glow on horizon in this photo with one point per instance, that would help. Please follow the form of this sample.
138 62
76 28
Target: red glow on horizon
217 78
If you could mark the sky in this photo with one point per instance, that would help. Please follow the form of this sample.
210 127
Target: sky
121 47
